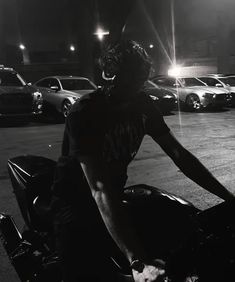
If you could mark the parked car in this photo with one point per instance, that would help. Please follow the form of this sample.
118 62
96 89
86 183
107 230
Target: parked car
223 81
17 98
165 99
61 92
193 94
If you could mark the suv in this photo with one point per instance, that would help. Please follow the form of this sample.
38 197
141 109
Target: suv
193 94
222 81
17 98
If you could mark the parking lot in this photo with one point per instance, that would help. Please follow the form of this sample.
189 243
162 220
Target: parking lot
208 135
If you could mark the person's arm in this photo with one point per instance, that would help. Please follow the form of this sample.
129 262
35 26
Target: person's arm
191 166
108 198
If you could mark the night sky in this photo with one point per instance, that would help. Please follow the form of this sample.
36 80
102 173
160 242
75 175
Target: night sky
48 26
34 20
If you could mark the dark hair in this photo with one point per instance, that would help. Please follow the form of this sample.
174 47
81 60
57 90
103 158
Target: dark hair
127 61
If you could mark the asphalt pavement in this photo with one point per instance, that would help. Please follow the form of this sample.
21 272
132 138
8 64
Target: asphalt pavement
210 136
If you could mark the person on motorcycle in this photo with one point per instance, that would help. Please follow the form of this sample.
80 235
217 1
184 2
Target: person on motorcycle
103 133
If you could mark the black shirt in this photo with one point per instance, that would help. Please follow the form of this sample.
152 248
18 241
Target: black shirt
113 130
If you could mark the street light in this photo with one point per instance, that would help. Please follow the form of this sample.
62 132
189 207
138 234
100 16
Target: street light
25 54
22 47
72 48
100 33
175 71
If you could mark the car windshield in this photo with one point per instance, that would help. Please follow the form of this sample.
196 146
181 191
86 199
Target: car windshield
76 84
10 79
165 81
150 84
228 80
191 81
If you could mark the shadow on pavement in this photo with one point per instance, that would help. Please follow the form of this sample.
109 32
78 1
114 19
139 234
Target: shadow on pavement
216 110
168 114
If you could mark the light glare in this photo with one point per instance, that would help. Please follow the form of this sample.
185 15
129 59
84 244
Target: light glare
175 71
22 47
100 33
72 48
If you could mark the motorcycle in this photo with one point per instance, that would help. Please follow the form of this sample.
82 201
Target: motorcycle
194 243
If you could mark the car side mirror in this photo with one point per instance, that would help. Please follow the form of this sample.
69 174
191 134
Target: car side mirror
55 88
219 85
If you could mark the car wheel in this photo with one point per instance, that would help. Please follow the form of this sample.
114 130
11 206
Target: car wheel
193 102
66 108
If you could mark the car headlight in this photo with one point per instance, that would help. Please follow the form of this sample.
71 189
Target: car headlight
37 95
168 96
154 97
209 95
75 98
37 101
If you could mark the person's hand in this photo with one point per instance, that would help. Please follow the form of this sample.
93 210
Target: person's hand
152 272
